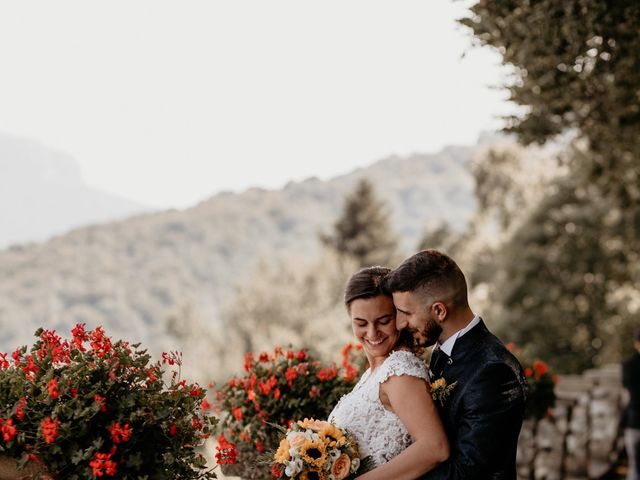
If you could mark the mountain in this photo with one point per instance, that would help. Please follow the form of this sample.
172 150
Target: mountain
42 194
132 275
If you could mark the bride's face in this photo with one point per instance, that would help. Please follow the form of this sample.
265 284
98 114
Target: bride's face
374 324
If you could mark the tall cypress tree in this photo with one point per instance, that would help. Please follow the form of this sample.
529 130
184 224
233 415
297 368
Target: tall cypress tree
363 231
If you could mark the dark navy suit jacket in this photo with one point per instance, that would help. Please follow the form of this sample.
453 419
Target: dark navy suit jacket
483 414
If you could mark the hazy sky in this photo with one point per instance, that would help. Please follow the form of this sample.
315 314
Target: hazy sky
168 102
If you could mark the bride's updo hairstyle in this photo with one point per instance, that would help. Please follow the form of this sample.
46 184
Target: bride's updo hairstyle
369 283
365 283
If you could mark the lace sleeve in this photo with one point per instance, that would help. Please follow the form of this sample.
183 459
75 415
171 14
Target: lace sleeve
400 363
379 432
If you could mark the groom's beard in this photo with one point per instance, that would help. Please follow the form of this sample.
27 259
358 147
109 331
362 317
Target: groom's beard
432 337
426 336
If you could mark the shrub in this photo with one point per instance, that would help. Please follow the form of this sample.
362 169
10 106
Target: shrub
277 388
90 407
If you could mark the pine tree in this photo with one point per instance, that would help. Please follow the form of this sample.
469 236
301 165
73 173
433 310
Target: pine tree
363 231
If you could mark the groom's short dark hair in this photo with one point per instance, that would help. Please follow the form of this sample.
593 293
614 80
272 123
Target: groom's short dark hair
432 274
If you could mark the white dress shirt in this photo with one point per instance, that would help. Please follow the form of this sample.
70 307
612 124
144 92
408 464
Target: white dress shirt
447 346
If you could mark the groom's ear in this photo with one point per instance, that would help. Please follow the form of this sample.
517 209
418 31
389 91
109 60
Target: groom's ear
439 311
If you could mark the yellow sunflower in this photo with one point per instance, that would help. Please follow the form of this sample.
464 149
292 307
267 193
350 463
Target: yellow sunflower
314 453
282 454
332 435
312 424
314 474
439 383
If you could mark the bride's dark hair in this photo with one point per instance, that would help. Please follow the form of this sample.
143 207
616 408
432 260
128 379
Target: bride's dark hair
369 283
365 283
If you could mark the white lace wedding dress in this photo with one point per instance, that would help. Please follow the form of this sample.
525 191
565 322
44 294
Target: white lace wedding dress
379 432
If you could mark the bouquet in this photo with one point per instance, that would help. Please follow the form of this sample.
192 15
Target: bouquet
318 450
92 407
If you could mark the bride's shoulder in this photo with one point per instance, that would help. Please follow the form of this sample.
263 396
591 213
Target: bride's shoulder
403 362
403 355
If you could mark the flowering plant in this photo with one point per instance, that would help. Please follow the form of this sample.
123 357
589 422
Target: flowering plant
315 449
90 407
541 382
275 389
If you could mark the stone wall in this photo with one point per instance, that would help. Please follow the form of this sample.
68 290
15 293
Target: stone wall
581 439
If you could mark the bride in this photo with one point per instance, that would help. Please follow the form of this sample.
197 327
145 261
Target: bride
390 410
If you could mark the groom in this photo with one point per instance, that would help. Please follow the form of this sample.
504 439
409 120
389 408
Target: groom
482 410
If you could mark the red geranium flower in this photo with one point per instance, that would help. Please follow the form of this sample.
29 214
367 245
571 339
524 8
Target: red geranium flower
30 368
20 408
151 375
49 429
4 363
350 373
227 451
53 388
248 361
8 430
540 368
79 337
291 374
205 405
100 400
120 433
276 470
237 413
100 343
326 374
196 423
103 465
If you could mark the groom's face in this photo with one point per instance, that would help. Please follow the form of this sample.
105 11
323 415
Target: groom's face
416 317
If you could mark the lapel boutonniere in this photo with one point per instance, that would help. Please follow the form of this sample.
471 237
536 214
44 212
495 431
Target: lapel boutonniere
440 390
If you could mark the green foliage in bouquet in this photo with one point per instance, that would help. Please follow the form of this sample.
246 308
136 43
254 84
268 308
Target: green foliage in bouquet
541 382
89 407
276 389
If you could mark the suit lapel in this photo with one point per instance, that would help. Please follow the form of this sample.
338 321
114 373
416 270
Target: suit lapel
465 344
455 367
469 342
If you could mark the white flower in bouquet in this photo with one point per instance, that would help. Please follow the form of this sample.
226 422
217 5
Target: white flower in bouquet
294 467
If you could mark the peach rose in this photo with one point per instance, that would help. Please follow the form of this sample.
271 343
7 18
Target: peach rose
296 439
340 468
